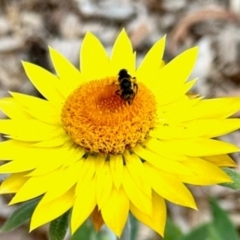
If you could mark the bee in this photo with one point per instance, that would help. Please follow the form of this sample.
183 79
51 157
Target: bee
128 87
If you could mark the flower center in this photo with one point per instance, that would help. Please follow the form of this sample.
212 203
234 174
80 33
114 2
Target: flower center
100 121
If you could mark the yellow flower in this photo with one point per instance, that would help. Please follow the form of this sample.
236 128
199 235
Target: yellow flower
88 148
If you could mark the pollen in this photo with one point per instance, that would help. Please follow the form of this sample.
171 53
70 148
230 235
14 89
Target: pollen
98 120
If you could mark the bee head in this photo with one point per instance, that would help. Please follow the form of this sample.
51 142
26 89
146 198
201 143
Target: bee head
123 74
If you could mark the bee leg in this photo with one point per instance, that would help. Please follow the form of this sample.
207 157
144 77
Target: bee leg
131 100
136 87
118 92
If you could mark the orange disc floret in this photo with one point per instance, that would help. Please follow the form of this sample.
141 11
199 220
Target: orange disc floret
98 120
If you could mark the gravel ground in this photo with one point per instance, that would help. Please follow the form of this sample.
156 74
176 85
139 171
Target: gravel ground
27 27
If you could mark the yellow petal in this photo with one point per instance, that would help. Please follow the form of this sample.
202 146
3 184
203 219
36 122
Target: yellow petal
6 149
45 213
157 219
66 156
167 113
77 155
39 108
12 109
169 187
135 194
221 160
45 82
70 77
86 174
84 205
161 162
163 149
116 165
122 55
70 177
17 166
213 109
13 183
34 130
214 127
115 211
26 158
136 171
166 95
151 62
201 147
34 187
55 142
104 185
93 58
208 128
99 162
179 69
205 173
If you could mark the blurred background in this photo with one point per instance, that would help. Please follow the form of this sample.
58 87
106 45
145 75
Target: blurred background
27 27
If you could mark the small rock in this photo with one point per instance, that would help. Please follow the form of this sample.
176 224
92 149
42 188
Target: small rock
12 75
70 26
68 48
235 6
205 58
31 23
105 33
173 5
203 66
168 21
107 10
10 44
4 26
